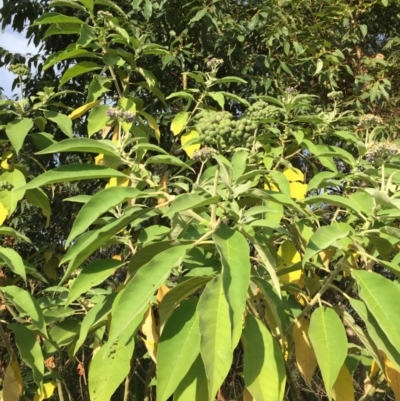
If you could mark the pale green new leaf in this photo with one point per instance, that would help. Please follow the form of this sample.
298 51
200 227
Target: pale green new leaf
16 132
30 351
99 204
72 172
264 367
180 343
329 341
216 341
325 237
235 258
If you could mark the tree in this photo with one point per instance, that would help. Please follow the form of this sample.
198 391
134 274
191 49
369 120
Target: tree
245 242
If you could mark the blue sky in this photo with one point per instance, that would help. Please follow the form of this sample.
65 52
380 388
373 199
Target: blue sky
15 43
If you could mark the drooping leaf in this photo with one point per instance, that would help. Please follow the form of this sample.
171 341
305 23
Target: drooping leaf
190 148
235 258
343 389
80 111
179 122
264 368
63 122
12 383
17 130
13 260
38 198
30 351
71 172
150 334
329 342
48 390
180 343
216 341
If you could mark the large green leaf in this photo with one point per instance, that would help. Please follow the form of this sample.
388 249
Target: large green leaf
325 237
17 130
89 242
91 275
141 288
63 121
65 55
99 204
81 145
194 385
10 199
381 297
235 257
264 367
216 341
27 305
30 351
175 296
190 201
178 348
78 69
73 172
14 261
329 340
116 359
57 18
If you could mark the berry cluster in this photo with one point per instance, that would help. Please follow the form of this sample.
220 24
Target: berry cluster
19 69
261 110
219 129
126 116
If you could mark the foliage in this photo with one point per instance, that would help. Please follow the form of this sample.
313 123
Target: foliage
201 206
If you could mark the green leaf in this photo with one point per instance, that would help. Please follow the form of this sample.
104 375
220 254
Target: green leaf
336 200
16 132
66 55
264 367
10 199
235 258
329 340
91 275
180 343
320 64
13 261
81 145
199 15
141 288
177 294
97 119
218 97
30 351
381 297
215 328
112 5
63 121
95 316
179 122
99 204
325 237
239 160
236 98
116 358
194 385
229 79
56 18
38 198
8 231
89 242
72 172
78 69
27 305
167 159
190 201
89 4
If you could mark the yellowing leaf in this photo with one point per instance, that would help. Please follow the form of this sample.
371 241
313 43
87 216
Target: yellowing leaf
48 390
117 257
120 182
186 137
293 175
12 383
115 134
374 369
179 122
269 185
4 160
289 256
305 356
161 293
80 111
343 389
3 214
99 160
393 378
298 190
50 268
150 331
247 396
